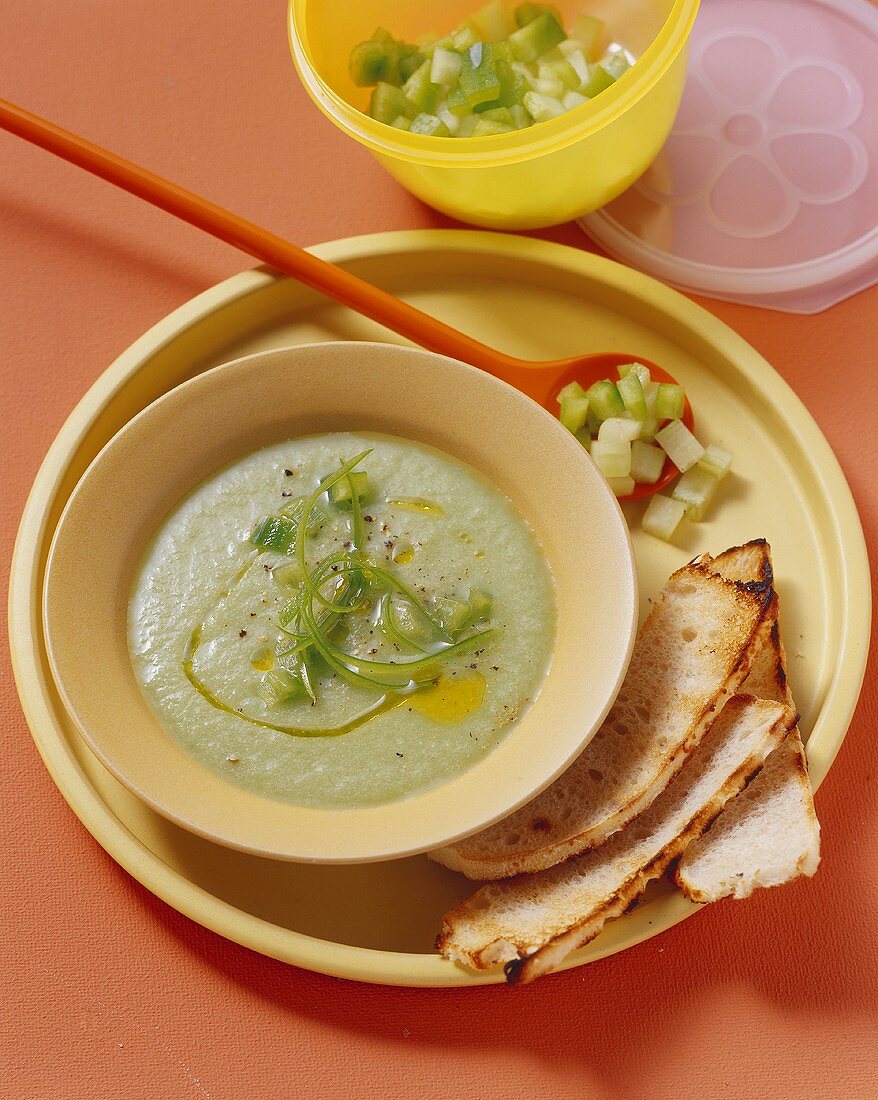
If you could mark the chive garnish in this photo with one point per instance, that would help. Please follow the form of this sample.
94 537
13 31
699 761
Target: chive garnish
345 583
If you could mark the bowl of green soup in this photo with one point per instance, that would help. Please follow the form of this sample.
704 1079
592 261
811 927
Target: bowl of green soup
340 603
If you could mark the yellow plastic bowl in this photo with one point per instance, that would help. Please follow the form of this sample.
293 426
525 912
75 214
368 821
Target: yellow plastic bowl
541 176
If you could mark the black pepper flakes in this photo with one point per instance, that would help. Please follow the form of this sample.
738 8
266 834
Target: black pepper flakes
242 633
288 473
399 754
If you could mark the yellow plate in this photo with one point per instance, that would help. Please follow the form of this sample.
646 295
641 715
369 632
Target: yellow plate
376 922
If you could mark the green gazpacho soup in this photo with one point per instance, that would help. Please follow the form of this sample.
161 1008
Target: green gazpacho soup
341 620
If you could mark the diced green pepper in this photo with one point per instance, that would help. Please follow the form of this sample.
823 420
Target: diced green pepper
492 23
274 533
478 78
536 38
370 63
389 102
589 31
598 81
409 64
527 13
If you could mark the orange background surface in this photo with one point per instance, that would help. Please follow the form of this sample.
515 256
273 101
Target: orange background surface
107 992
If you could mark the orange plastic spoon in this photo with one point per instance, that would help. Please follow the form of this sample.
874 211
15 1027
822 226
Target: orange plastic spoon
539 380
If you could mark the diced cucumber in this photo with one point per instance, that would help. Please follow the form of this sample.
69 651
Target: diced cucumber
615 63
575 58
573 414
617 429
612 459
561 71
554 89
590 32
463 38
572 389
493 22
640 370
662 517
536 37
280 686
680 445
584 437
647 462
669 401
431 125
341 493
606 401
450 120
452 614
288 576
491 61
648 428
480 604
695 490
572 99
421 91
445 66
520 117
716 461
389 102
631 392
542 107
527 13
621 486
466 125
478 77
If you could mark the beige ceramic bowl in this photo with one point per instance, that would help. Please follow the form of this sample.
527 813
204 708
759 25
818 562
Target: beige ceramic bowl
196 429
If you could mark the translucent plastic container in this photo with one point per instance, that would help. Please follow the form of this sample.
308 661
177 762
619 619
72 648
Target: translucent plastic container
540 176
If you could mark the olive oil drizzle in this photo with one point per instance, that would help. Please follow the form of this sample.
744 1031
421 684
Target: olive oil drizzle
382 705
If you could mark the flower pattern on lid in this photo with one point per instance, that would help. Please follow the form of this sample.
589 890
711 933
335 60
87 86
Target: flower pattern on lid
758 134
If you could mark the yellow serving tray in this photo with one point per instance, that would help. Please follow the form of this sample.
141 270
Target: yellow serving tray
535 299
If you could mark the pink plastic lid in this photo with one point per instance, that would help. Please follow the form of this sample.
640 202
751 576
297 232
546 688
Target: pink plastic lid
767 189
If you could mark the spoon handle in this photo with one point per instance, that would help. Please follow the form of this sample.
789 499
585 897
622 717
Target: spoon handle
327 278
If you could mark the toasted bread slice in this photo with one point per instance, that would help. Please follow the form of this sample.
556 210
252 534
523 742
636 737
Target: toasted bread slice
532 922
769 834
693 652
